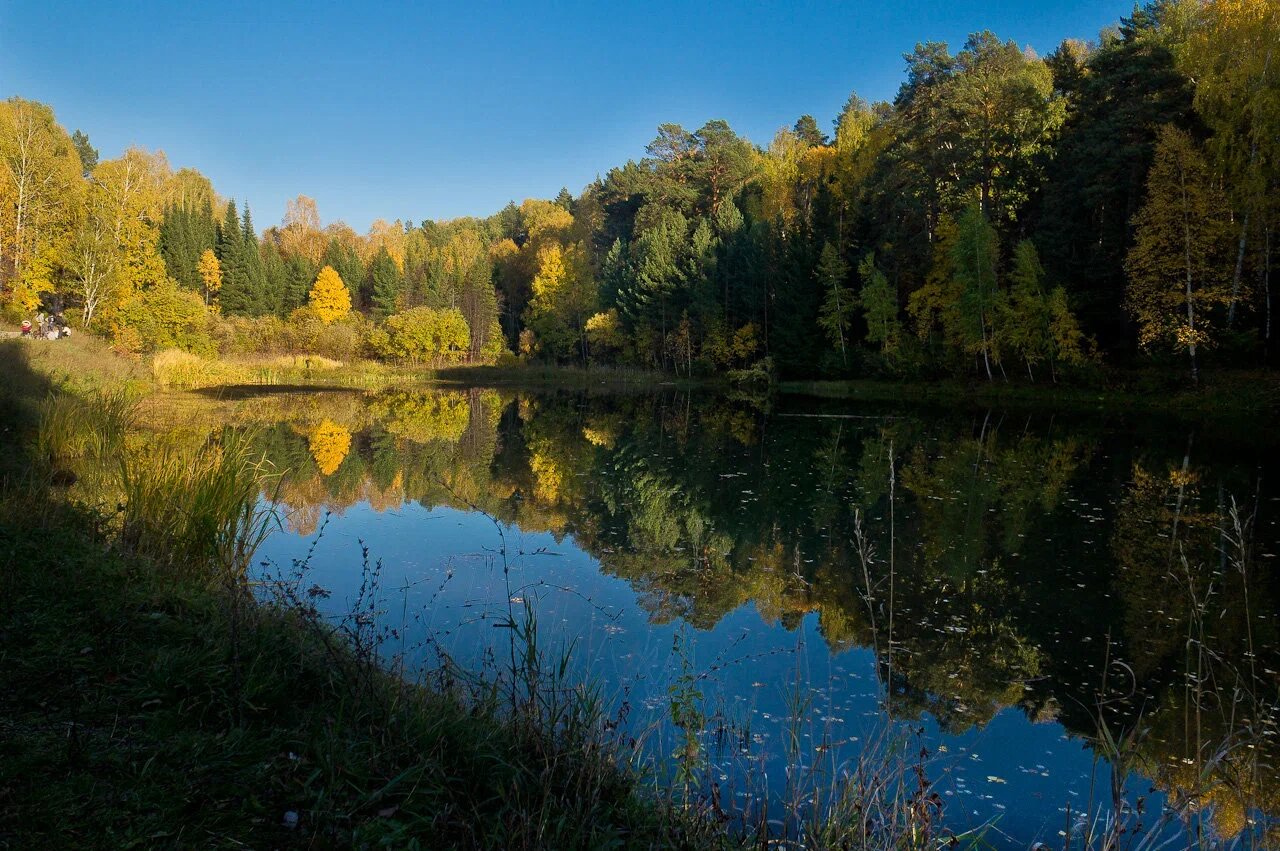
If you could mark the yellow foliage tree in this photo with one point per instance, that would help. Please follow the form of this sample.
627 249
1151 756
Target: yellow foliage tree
1178 271
211 273
40 187
779 170
329 296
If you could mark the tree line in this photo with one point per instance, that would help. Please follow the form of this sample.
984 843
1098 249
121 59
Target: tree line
1006 214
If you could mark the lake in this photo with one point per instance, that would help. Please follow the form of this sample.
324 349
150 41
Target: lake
769 594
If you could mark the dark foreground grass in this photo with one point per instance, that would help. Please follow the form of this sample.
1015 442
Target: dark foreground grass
148 700
138 711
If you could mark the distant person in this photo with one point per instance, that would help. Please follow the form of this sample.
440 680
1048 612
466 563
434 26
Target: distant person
26 327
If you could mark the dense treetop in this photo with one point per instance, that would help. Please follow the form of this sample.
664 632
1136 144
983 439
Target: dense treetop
1007 214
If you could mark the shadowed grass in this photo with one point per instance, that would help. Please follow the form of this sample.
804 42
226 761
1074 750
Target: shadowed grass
155 714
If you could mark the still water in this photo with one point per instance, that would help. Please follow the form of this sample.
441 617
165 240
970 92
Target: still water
768 592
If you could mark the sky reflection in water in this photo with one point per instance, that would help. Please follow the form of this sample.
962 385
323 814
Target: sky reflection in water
1022 544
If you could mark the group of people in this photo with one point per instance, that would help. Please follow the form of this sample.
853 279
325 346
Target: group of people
47 327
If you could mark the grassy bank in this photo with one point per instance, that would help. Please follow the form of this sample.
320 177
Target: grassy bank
150 700
156 712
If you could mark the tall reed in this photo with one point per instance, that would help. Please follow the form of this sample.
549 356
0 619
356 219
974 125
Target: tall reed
198 513
84 428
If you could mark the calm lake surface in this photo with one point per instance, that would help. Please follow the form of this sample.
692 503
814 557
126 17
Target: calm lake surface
1024 580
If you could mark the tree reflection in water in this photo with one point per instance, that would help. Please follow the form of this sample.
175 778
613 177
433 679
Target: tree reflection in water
1093 574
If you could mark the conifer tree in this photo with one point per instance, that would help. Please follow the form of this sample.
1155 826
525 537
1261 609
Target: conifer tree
384 283
235 297
298 273
261 300
329 297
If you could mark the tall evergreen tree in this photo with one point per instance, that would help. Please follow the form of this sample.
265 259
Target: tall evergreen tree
384 283
236 298
1120 97
261 300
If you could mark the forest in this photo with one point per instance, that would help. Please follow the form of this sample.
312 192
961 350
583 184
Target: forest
1007 216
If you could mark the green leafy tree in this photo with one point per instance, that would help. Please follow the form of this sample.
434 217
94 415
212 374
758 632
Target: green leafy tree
974 258
879 307
1037 325
838 302
424 334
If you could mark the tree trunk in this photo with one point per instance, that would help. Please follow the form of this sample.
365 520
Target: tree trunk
1265 274
1239 273
1191 313
1244 239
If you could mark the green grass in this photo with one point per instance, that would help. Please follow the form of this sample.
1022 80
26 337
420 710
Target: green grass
149 700
141 712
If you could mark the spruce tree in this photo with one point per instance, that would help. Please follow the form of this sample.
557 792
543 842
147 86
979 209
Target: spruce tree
879 306
384 283
275 273
235 298
261 301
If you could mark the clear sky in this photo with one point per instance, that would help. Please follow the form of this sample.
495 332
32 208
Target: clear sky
381 110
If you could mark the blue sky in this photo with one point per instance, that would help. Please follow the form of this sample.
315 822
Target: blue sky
435 111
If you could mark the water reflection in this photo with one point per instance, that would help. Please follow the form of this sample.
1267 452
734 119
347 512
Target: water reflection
1007 573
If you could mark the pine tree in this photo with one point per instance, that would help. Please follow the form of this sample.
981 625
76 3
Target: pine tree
185 233
261 300
297 276
345 261
236 298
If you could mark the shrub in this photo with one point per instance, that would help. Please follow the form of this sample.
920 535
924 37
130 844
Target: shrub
423 334
306 332
243 335
162 317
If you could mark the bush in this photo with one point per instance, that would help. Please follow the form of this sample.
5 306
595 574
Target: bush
244 335
423 334
303 334
306 332
163 317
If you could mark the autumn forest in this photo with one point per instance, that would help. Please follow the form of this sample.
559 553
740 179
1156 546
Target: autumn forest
1007 216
